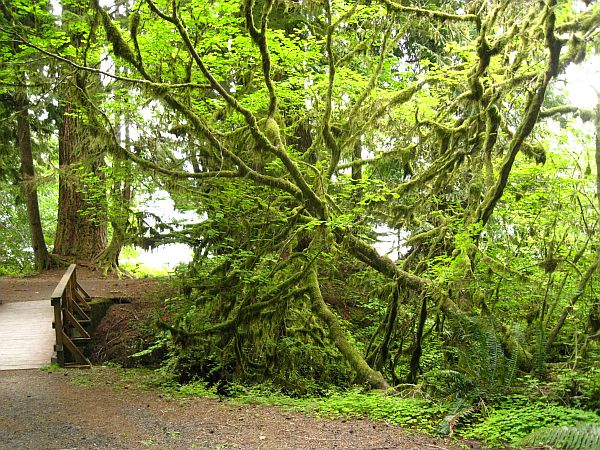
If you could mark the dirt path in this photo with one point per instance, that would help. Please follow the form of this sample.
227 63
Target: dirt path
60 410
40 287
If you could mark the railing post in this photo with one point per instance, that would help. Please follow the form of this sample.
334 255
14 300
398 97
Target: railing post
68 324
59 353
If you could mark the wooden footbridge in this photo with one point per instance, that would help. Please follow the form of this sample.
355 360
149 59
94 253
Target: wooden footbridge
51 326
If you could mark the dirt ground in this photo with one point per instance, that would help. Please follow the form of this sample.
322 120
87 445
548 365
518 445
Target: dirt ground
41 286
65 410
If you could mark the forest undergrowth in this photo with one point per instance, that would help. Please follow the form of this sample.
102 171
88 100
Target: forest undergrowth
500 406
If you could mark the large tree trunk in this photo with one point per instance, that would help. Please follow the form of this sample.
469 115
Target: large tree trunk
40 251
81 230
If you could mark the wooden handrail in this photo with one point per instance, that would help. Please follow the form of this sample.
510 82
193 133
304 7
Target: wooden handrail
70 302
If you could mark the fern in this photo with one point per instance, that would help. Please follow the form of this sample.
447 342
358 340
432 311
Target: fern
461 409
585 436
539 355
512 360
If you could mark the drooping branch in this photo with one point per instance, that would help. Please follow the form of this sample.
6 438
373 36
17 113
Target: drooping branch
365 373
330 141
384 265
300 188
316 204
583 282
529 120
585 114
583 22
142 82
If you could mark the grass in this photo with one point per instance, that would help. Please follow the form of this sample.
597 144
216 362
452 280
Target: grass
52 368
409 412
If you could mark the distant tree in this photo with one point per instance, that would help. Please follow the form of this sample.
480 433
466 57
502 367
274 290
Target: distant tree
16 104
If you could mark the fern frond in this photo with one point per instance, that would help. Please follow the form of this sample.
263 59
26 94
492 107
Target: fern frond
462 408
585 436
512 361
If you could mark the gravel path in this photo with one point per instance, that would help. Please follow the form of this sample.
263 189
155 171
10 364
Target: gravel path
64 410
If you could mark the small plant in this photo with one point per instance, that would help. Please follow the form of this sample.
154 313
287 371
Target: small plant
51 368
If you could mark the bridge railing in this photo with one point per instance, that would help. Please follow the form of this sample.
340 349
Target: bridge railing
71 308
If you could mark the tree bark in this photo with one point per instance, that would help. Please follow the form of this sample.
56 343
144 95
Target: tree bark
81 229
40 251
418 349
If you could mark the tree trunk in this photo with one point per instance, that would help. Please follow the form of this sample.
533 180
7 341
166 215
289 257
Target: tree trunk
121 196
81 229
40 251
415 359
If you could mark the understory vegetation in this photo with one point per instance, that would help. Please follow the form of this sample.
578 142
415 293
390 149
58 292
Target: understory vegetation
297 137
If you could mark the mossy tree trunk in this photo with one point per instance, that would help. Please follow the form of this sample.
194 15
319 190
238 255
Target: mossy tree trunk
81 231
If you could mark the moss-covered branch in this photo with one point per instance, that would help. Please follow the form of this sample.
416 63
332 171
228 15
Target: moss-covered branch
529 119
260 38
431 14
365 374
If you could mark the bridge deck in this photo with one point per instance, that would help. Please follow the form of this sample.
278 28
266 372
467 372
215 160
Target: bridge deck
26 334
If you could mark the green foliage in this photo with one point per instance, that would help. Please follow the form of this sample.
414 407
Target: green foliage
414 413
351 404
577 388
15 256
292 140
579 437
517 416
474 339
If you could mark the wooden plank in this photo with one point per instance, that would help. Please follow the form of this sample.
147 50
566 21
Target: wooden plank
72 321
64 282
75 352
77 309
26 335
